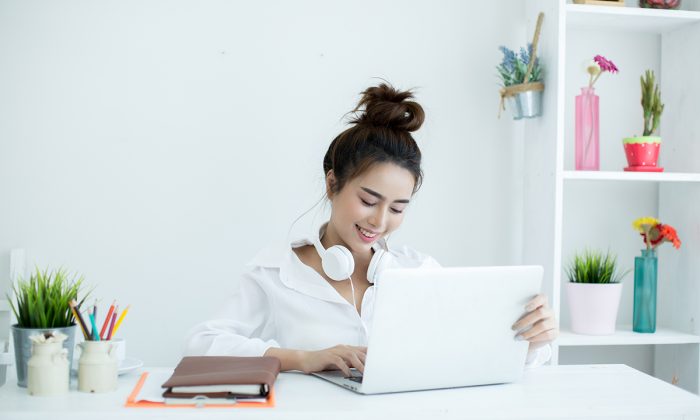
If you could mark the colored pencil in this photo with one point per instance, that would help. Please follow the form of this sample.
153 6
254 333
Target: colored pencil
111 326
121 318
95 336
78 318
106 322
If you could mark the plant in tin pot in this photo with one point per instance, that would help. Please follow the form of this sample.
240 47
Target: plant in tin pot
521 76
42 307
643 151
593 292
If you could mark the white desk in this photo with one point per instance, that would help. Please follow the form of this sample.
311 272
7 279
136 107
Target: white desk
588 391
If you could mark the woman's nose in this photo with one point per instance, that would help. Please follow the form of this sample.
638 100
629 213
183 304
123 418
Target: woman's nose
378 218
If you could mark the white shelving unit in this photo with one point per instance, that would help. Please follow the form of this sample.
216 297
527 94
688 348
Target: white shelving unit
630 176
626 337
628 18
567 210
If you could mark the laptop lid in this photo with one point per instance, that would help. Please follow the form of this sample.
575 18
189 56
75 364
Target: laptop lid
448 327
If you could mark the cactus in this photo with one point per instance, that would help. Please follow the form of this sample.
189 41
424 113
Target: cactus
651 103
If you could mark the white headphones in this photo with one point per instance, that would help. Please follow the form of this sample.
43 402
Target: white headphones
338 263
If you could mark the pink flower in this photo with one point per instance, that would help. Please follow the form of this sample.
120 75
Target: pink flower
605 64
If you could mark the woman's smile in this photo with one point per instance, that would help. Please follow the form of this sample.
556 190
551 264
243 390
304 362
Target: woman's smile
365 235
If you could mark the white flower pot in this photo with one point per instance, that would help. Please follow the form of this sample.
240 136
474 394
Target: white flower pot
593 307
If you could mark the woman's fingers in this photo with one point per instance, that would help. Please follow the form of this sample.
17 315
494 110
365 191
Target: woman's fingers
536 302
339 362
541 328
539 323
351 357
531 318
360 349
354 361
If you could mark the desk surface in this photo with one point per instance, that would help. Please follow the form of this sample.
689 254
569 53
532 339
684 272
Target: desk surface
600 391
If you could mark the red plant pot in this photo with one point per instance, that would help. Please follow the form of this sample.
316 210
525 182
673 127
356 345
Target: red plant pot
642 152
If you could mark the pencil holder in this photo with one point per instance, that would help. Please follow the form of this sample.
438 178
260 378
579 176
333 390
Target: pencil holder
97 368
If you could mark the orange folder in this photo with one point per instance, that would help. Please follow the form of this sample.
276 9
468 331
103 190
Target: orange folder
131 400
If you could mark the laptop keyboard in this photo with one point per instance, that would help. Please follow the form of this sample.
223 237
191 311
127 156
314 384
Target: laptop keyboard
357 379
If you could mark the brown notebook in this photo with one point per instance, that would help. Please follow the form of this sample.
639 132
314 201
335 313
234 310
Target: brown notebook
222 377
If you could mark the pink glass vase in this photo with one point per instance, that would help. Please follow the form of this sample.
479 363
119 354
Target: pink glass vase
587 131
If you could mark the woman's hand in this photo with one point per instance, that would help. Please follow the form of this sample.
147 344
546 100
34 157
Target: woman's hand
538 325
340 357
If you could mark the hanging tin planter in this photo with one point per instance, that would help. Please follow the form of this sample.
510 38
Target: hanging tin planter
521 74
526 102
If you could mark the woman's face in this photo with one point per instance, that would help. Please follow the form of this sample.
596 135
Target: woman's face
370 206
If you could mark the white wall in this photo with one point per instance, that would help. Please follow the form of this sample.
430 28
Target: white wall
155 146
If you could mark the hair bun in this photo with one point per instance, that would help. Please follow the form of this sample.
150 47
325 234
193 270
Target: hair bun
384 106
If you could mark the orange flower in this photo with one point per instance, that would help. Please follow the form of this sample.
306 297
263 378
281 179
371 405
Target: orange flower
668 233
656 233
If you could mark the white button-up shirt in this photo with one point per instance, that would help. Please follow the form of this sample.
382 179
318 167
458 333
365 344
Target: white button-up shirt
282 302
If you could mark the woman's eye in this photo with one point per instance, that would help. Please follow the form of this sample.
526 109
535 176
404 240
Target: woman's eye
368 204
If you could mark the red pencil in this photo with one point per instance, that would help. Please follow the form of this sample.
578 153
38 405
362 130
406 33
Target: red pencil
111 325
107 318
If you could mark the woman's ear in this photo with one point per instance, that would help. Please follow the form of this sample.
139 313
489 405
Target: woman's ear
331 182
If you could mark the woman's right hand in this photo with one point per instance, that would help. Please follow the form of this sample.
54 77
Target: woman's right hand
339 357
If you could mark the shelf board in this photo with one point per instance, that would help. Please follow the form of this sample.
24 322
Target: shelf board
624 336
629 18
631 176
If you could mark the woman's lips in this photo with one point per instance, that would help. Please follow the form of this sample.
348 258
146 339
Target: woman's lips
364 238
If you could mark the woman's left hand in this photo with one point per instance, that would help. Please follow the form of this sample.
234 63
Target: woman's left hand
538 325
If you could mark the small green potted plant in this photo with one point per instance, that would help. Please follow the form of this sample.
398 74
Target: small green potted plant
643 151
42 307
593 292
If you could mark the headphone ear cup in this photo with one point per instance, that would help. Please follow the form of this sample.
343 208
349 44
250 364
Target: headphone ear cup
338 263
376 265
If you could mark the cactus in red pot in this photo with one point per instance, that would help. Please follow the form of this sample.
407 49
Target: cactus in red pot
643 151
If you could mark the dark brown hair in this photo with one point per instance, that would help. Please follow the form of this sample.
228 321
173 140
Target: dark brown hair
380 133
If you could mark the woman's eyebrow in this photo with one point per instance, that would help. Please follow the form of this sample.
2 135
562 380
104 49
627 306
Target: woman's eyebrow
381 197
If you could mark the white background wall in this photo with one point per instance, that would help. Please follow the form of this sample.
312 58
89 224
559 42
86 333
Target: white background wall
155 146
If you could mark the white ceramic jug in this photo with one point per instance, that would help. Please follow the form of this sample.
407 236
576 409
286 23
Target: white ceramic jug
97 368
48 367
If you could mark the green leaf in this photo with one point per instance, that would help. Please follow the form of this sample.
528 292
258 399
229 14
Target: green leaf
594 267
43 300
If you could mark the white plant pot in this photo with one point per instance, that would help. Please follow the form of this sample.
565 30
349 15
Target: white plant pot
593 307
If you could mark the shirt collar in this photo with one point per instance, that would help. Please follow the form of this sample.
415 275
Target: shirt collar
278 253
295 274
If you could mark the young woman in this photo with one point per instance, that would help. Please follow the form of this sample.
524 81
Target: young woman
289 306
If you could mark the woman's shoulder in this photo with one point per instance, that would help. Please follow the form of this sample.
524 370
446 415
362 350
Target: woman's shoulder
409 257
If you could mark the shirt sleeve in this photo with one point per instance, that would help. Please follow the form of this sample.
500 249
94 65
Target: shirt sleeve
538 356
243 327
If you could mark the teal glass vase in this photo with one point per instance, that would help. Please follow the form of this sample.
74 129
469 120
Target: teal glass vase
644 315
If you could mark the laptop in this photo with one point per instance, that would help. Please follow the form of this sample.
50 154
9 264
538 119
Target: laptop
444 328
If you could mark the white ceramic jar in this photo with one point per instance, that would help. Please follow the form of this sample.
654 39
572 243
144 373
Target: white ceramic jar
48 369
97 368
